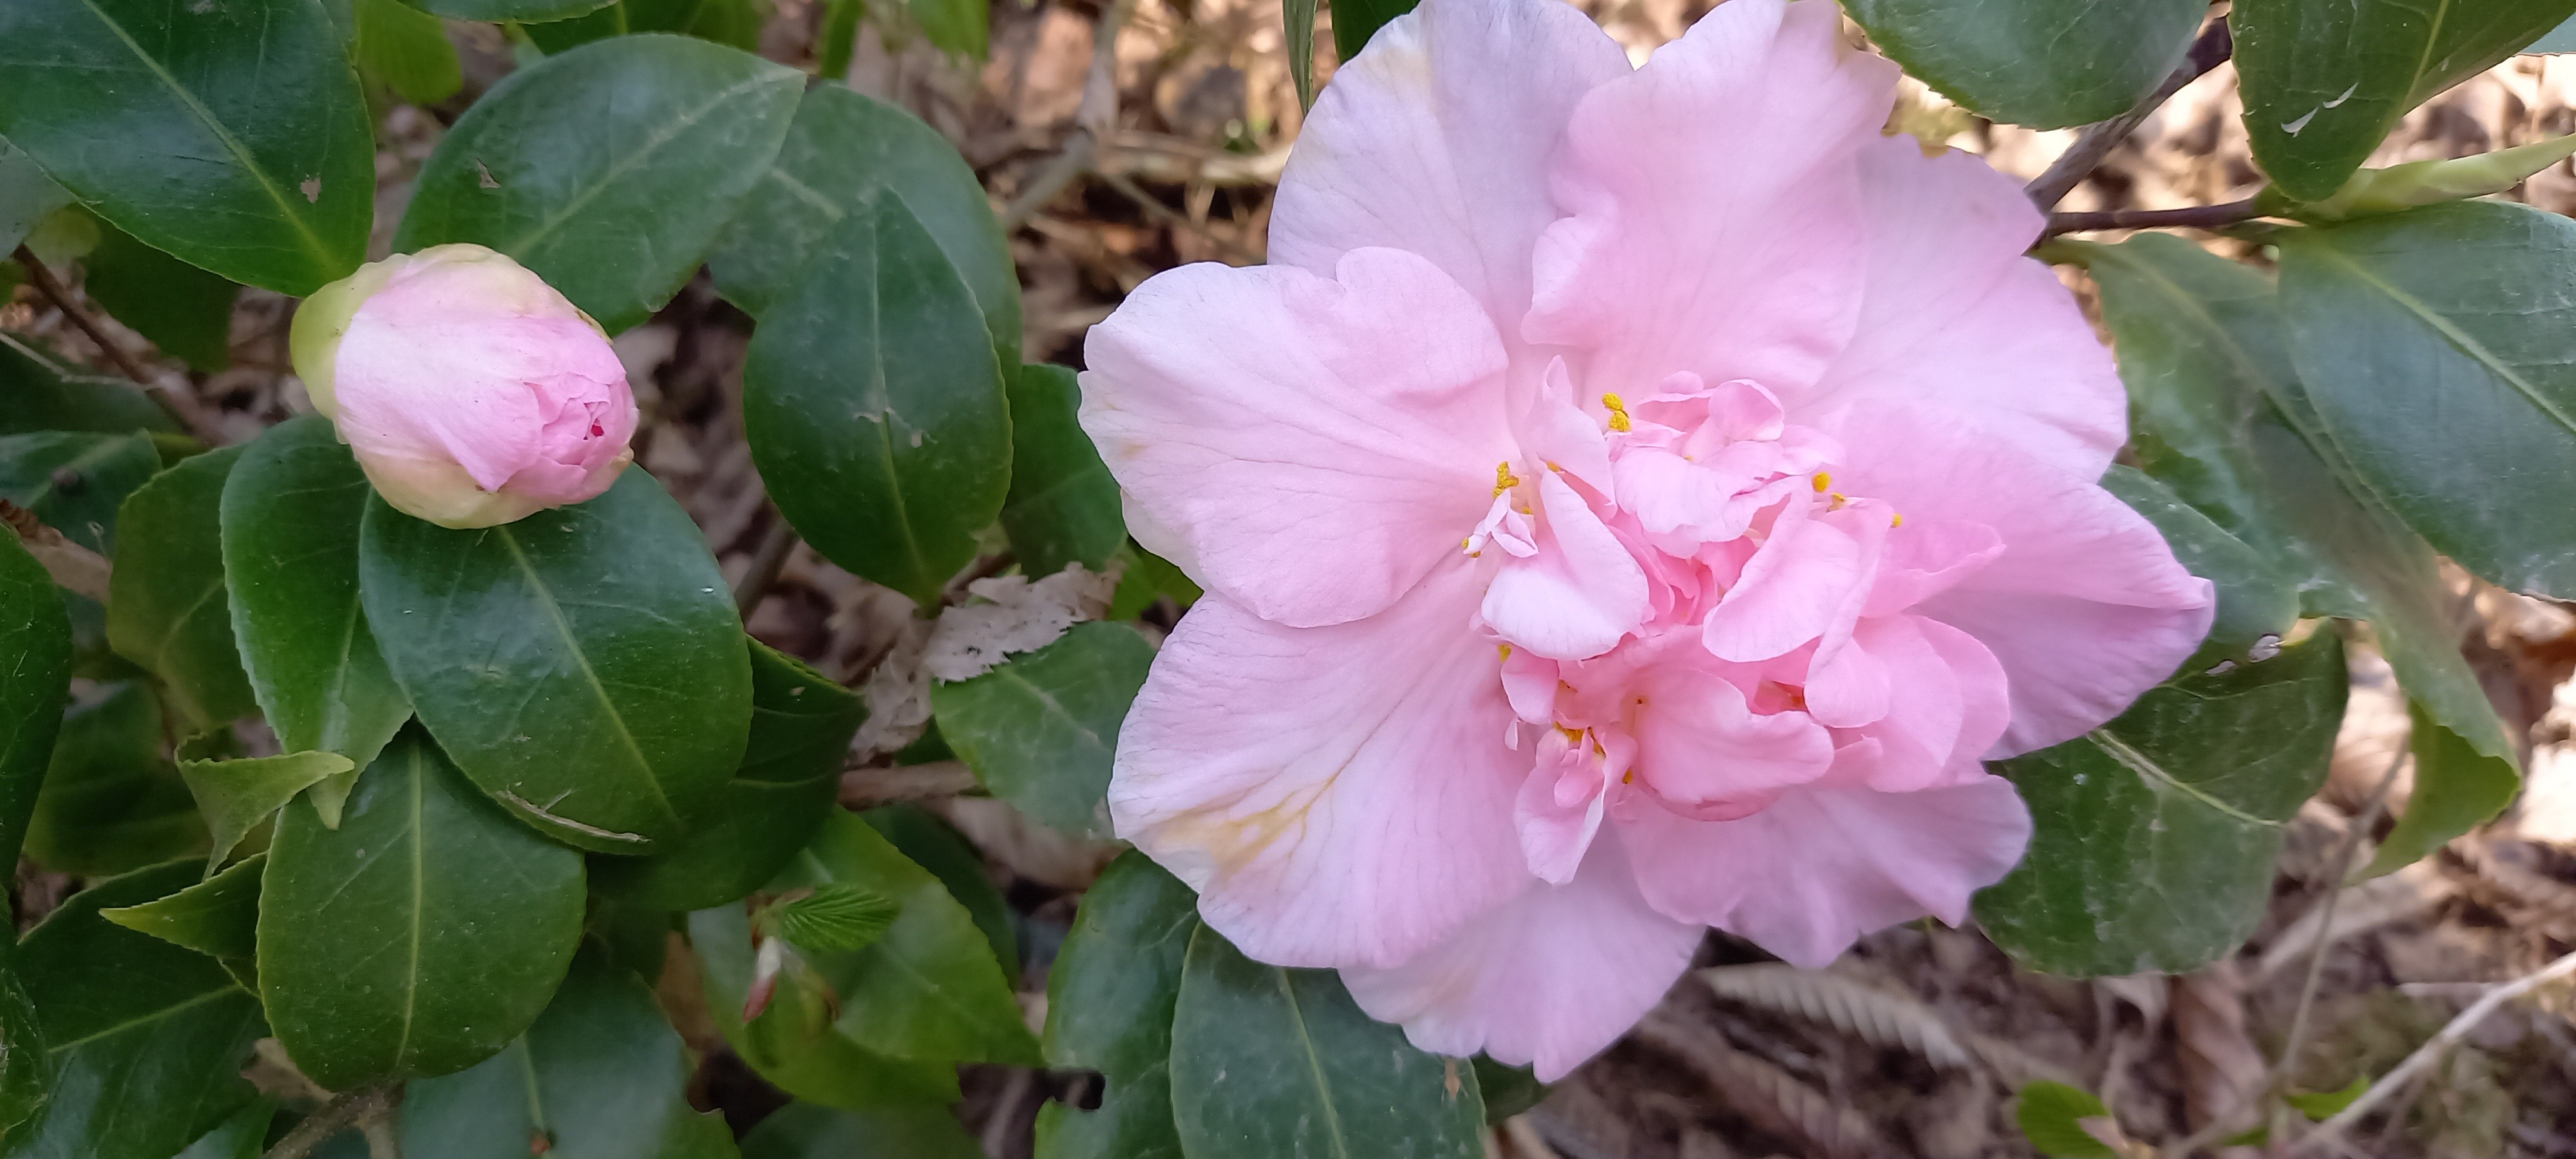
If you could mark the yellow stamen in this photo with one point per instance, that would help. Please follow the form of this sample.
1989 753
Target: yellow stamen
1505 649
1572 736
1898 520
1628 778
1618 412
1840 501
1823 482
1504 480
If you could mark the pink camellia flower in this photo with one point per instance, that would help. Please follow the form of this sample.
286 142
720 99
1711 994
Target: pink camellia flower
471 392
1631 501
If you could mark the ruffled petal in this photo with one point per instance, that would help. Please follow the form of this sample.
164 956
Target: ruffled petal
1956 317
1714 211
1808 876
1315 446
1579 595
2085 607
1436 140
1548 979
1699 744
1338 796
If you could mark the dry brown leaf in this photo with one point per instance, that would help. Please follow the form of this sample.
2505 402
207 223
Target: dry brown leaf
1770 1097
2222 1070
1875 1016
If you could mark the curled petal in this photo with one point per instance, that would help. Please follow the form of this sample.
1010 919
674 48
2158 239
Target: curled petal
1700 744
1579 595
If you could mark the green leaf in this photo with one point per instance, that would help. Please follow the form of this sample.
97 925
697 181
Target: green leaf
2457 788
1040 730
2256 607
2435 346
929 989
793 1044
2153 836
45 395
184 310
291 514
147 1039
617 203
733 22
2042 63
27 196
240 139
1355 21
1300 18
76 482
407 50
166 605
26 1067
35 682
601 1075
217 917
801 724
1063 506
875 411
2325 80
1507 1090
838 916
2050 1116
843 151
937 846
1271 1062
110 802
812 1131
960 27
235 796
2323 1105
583 665
242 1136
519 10
1109 1009
421 936
1149 577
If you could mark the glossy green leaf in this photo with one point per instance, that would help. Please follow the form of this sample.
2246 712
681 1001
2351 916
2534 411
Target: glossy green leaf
793 1044
35 683
1109 1009
291 515
1149 577
185 311
1270 1062
76 482
615 206
232 135
236 795
2051 1116
601 1075
838 916
844 150
874 408
2153 836
2325 80
243 1136
1063 506
2457 788
936 845
147 1039
584 665
406 50
1507 1090
45 395
2256 607
2042 63
524 10
26 1067
733 22
1300 18
961 27
812 1131
1355 21
929 989
110 802
1040 729
217 917
166 605
2435 345
421 936
801 724
27 196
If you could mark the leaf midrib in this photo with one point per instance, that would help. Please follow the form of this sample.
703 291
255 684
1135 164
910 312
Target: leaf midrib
1314 1064
2147 769
572 644
653 143
2459 339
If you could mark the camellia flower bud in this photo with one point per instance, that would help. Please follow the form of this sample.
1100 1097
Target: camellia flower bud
470 390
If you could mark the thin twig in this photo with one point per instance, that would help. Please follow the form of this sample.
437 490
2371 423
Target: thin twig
1069 164
53 292
383 1141
2187 217
2097 141
336 1116
2432 1051
767 560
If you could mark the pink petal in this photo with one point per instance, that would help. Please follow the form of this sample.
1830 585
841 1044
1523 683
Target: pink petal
2085 607
1315 445
1956 317
1436 140
1559 807
1579 595
1714 209
1942 701
1926 557
1808 876
1808 582
1549 979
1561 433
1699 743
1338 796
